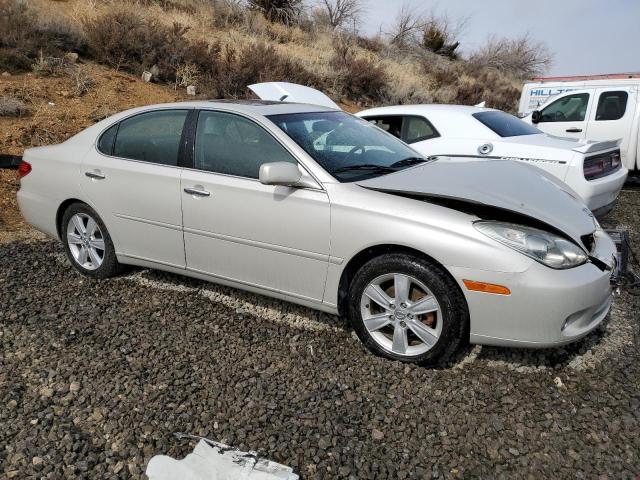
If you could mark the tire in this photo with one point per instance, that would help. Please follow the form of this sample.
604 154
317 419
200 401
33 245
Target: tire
442 326
104 263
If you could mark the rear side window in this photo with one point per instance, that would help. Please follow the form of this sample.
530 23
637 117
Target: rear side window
233 145
611 105
504 124
105 144
392 125
409 128
572 108
417 129
151 137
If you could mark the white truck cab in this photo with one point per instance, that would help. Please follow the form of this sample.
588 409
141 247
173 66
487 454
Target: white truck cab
599 112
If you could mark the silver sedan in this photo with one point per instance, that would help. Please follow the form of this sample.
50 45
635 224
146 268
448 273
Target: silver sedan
315 206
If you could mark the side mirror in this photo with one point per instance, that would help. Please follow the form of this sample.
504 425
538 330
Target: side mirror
535 116
280 173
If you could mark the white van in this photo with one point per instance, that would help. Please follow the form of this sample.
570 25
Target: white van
596 110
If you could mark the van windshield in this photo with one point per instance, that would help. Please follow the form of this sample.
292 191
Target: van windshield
504 124
347 147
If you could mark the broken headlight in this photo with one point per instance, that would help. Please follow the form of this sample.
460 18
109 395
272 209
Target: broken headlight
547 248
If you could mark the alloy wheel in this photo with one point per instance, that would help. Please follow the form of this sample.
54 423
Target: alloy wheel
401 314
85 241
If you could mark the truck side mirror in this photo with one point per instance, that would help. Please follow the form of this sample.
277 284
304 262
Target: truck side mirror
535 116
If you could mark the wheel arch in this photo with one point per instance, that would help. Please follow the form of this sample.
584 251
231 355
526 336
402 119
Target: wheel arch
60 213
371 252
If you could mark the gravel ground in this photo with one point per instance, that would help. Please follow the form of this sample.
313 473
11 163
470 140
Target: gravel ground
96 376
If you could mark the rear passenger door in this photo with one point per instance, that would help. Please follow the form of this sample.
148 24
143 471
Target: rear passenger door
237 229
132 179
612 118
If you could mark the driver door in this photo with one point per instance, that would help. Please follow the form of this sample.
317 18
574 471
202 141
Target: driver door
567 115
237 229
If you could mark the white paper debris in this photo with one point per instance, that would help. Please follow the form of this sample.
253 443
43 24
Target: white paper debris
216 461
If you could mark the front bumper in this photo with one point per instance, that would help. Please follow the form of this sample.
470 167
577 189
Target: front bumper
546 307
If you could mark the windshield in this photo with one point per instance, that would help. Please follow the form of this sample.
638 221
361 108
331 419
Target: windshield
504 124
347 147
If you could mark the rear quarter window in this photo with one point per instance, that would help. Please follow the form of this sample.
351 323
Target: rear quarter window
105 143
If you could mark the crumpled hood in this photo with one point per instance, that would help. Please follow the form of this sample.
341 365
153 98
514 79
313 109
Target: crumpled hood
511 186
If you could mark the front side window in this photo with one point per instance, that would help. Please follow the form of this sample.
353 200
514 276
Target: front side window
151 137
504 124
347 147
611 105
572 108
233 145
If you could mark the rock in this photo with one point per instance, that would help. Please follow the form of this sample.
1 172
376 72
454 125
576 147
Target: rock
377 434
71 57
97 416
11 404
191 90
37 460
558 382
146 76
6 74
324 443
46 392
74 387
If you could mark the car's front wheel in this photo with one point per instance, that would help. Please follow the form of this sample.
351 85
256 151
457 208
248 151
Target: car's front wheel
87 242
405 308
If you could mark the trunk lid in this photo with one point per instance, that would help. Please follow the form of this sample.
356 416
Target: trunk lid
291 92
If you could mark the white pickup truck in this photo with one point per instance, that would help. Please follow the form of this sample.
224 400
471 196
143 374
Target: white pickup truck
593 111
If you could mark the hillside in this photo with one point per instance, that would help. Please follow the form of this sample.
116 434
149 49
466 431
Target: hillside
222 47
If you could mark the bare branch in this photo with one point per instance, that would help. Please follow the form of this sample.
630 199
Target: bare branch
405 29
522 56
341 13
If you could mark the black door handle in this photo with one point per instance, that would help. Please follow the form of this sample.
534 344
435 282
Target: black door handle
574 130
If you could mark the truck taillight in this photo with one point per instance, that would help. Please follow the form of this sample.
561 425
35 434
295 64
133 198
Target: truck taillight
24 168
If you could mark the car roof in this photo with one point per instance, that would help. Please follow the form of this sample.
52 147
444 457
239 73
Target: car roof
423 109
250 106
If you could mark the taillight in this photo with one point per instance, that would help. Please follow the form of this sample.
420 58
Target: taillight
615 160
601 165
24 168
594 169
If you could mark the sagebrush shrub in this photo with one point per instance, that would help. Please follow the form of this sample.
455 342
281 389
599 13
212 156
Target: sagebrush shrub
24 37
359 78
256 63
125 40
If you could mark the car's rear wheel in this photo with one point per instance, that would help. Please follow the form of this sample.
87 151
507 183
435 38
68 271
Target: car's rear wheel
406 308
87 242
